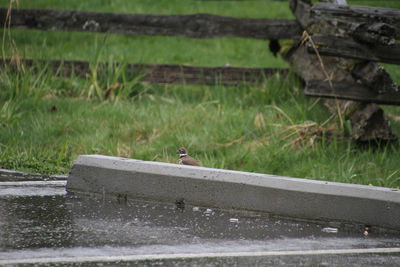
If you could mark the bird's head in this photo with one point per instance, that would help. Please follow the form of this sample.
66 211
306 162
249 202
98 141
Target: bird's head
181 151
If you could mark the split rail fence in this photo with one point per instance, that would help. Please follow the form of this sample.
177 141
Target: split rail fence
214 26
192 26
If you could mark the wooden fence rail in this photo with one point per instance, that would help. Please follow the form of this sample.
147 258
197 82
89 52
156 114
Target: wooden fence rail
357 14
350 91
333 46
213 26
166 74
367 33
195 26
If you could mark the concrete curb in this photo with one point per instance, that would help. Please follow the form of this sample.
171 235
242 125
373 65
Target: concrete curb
293 197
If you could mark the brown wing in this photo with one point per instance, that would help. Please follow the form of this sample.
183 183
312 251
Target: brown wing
188 160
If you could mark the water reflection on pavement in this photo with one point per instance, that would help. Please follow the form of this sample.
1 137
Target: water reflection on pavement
42 221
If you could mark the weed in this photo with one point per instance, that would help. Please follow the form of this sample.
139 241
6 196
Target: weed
9 114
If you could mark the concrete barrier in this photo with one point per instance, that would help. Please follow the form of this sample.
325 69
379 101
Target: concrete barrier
293 197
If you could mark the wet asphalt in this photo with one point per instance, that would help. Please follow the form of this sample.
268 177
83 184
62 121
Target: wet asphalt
42 225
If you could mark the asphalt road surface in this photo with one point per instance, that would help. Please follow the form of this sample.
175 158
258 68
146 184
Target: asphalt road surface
42 225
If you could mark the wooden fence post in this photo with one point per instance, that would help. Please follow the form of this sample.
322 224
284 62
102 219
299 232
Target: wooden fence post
337 77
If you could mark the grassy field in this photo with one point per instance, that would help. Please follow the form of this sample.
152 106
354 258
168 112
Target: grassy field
46 122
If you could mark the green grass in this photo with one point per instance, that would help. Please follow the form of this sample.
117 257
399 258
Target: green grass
145 49
47 121
236 128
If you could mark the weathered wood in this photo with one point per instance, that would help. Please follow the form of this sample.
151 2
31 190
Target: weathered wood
175 74
341 78
301 10
340 47
338 15
375 77
368 120
351 91
344 86
196 25
370 123
166 74
375 34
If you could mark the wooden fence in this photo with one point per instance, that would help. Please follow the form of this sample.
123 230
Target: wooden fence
166 73
366 43
374 32
194 26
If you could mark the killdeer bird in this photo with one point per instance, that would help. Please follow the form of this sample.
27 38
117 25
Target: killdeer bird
185 159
